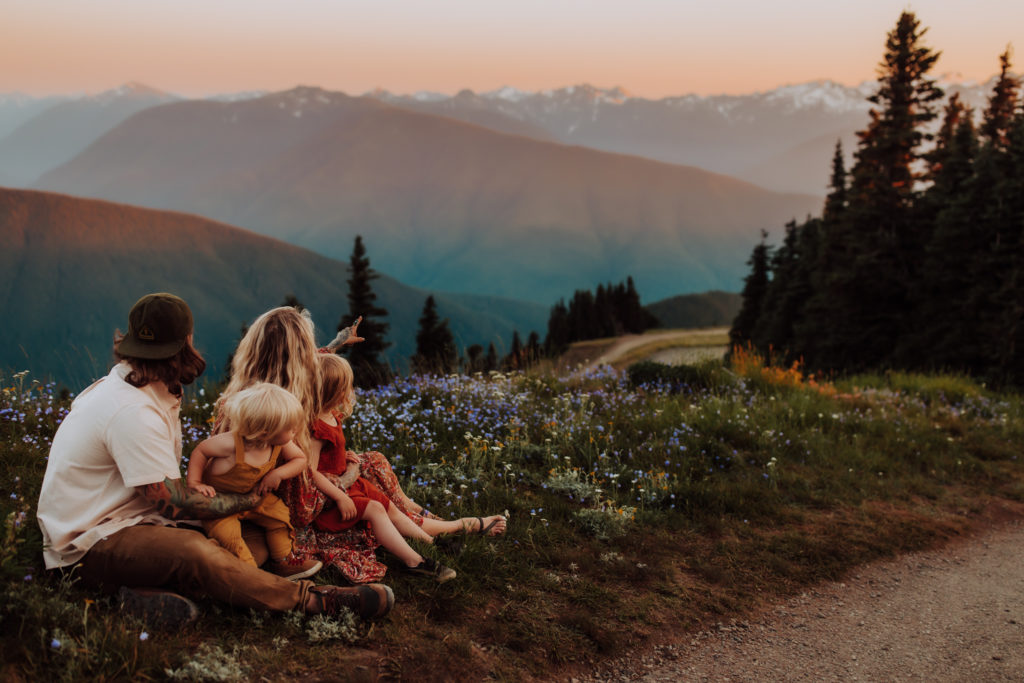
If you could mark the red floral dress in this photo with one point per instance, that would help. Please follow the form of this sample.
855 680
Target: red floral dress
334 460
351 550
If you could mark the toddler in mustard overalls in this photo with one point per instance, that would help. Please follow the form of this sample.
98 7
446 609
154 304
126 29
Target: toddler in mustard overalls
264 420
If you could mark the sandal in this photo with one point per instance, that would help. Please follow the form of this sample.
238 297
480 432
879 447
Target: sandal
486 530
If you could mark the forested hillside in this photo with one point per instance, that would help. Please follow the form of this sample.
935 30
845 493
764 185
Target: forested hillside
917 260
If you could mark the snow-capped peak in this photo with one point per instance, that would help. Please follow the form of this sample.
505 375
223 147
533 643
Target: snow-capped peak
823 94
507 93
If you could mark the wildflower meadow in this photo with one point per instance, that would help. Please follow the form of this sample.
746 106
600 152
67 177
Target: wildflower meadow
640 502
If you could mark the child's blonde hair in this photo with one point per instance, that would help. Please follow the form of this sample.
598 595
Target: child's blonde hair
263 410
336 384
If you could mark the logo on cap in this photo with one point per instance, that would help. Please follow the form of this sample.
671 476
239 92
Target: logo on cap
146 333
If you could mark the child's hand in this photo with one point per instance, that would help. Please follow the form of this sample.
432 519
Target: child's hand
269 483
346 507
204 489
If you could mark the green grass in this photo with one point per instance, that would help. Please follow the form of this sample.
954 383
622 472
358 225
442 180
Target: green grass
639 504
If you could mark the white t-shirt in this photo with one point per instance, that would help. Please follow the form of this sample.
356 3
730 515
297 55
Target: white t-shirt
115 437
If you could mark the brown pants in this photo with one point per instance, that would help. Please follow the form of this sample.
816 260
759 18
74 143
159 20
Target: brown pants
148 556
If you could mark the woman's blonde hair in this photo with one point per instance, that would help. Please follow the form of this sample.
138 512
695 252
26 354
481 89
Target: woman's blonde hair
336 384
280 348
263 410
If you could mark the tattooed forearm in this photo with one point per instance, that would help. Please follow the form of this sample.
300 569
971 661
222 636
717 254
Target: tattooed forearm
173 499
350 475
340 339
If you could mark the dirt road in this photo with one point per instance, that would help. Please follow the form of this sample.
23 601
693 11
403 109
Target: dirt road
686 339
955 614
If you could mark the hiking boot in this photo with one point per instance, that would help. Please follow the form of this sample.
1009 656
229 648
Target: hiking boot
371 601
157 608
433 569
293 569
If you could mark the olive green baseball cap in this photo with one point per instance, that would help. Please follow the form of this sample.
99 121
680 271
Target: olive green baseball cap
158 327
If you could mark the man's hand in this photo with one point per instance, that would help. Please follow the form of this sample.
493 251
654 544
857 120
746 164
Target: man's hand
173 499
349 477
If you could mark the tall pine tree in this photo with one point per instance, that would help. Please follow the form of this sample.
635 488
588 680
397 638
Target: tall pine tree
1002 106
752 297
435 346
366 357
944 333
878 244
1002 321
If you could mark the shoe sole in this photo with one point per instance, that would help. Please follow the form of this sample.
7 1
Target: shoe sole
432 575
306 574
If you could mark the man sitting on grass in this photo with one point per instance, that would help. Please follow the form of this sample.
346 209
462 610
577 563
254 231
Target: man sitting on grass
113 493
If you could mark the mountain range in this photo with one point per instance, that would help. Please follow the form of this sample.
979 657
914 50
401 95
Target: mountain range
59 132
71 268
782 139
531 195
441 203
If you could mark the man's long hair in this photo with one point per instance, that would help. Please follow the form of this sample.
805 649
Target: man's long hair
181 368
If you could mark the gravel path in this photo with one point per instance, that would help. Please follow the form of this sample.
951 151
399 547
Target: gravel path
954 614
686 338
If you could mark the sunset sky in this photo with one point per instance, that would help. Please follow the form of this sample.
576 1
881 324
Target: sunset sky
652 48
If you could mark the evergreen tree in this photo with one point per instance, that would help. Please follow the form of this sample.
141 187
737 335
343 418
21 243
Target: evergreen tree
365 357
514 359
824 251
835 202
293 301
877 246
945 335
474 359
605 311
635 318
558 337
435 346
533 348
1002 311
583 317
491 359
788 293
1002 105
754 289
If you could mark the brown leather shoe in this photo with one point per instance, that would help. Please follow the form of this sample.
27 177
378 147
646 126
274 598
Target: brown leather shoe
371 601
293 569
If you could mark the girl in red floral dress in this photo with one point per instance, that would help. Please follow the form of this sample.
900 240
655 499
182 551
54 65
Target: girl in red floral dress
362 501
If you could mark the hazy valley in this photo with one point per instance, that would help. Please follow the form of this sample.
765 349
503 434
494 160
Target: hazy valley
70 268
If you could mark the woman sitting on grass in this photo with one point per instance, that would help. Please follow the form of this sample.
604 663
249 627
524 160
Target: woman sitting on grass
279 347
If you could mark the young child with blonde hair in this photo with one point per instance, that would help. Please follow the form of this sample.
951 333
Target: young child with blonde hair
363 501
264 421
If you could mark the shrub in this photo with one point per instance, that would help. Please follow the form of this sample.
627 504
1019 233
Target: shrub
709 375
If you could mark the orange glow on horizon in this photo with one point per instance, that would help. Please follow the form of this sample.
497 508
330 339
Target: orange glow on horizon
656 48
